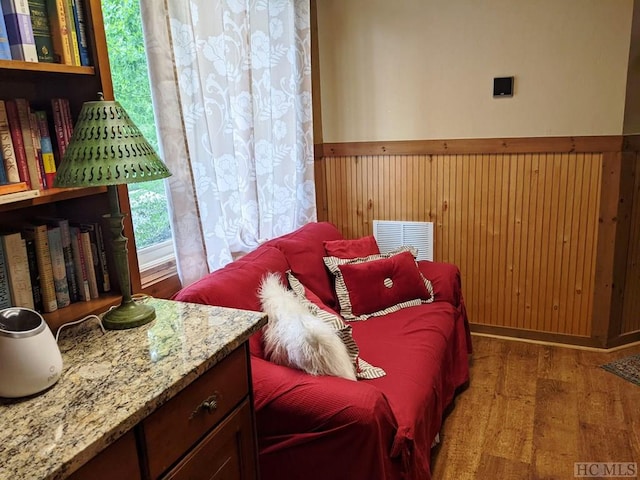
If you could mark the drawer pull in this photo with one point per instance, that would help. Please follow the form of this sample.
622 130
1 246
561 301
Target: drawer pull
209 405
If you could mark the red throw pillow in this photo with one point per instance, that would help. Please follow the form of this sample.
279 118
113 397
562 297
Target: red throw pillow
378 284
360 247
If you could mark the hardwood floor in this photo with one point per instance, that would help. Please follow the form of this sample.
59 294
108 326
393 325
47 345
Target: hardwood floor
532 410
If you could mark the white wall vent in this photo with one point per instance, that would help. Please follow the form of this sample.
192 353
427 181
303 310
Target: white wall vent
393 234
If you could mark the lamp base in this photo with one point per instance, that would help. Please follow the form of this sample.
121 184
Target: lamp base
128 315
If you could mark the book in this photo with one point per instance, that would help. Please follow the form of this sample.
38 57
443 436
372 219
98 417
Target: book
19 31
34 274
5 49
98 252
18 144
46 146
85 241
3 173
41 30
81 29
15 250
39 234
65 235
59 31
5 293
58 126
27 139
79 264
72 34
35 137
18 196
12 187
8 155
58 266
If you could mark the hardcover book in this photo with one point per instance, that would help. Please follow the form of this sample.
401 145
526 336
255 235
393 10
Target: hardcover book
81 30
79 264
65 235
27 139
18 144
34 274
15 250
8 155
41 30
38 233
58 266
19 31
59 31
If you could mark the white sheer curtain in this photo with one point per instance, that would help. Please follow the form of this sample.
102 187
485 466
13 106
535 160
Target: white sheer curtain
231 84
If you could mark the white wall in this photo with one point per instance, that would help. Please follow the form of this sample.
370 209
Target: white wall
423 69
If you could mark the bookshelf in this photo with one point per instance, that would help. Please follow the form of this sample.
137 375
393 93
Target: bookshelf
39 83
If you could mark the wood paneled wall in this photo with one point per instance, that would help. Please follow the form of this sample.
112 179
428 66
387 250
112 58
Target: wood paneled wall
534 224
631 306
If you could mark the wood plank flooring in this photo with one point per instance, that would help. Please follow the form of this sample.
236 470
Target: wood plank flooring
532 410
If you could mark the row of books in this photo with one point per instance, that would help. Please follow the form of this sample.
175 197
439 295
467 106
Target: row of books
52 31
27 146
51 263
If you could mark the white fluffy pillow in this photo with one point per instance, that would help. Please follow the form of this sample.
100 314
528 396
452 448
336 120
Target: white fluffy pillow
296 338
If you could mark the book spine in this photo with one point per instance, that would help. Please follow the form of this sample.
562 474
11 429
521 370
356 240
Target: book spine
81 29
5 49
79 264
18 22
89 264
39 234
9 156
34 274
72 282
72 33
27 139
18 144
17 196
3 172
15 250
59 31
58 266
5 293
58 126
41 30
48 158
67 120
35 137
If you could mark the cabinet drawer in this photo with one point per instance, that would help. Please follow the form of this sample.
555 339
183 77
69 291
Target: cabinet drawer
119 460
171 430
227 453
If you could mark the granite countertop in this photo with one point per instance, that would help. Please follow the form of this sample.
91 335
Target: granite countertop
111 381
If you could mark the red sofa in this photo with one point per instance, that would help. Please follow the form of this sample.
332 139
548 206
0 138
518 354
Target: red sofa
322 427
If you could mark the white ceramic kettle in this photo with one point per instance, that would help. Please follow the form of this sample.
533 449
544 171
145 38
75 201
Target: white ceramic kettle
30 359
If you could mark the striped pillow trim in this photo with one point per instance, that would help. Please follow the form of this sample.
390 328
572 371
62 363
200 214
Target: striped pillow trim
334 263
364 370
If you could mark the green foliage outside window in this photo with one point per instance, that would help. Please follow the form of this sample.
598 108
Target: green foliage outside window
131 88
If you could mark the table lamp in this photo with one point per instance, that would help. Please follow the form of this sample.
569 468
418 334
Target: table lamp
107 148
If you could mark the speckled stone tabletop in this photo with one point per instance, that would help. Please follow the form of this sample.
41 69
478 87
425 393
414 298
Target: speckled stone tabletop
111 381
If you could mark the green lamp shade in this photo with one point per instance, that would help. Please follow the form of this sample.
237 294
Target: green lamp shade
107 148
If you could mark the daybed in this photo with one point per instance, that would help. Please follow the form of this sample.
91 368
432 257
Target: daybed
328 428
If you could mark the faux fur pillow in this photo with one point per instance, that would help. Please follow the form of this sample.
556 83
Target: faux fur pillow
296 338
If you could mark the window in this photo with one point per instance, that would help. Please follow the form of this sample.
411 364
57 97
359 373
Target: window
131 88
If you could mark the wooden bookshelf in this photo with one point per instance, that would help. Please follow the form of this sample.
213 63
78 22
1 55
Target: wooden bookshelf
39 83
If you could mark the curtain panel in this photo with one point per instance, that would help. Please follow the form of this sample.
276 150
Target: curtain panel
231 86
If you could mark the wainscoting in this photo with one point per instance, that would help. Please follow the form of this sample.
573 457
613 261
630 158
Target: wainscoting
546 231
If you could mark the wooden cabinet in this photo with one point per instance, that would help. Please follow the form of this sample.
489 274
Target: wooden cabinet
205 432
39 83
